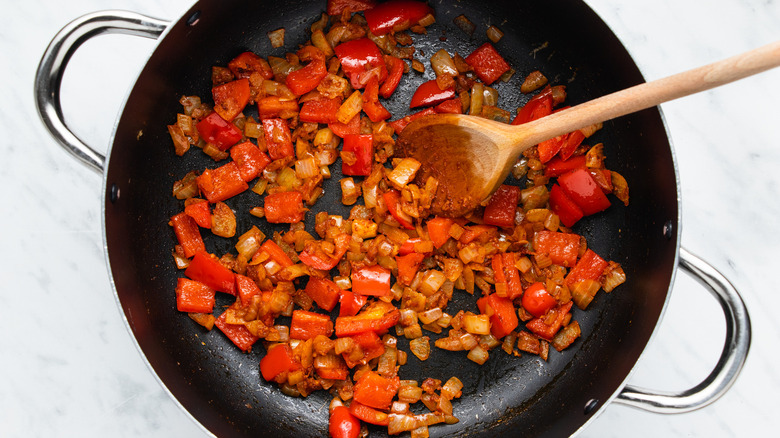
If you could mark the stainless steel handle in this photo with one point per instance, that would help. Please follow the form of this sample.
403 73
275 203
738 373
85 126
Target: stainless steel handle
48 78
735 349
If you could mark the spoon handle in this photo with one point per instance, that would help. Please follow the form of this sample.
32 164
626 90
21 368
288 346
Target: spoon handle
650 94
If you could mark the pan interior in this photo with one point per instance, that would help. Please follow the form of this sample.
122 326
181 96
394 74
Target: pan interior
221 387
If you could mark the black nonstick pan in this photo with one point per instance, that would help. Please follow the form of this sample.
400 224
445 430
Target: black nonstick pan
221 387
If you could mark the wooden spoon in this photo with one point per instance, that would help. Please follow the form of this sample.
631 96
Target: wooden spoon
471 156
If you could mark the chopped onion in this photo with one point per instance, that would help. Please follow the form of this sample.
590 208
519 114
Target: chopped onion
583 292
427 20
478 355
494 34
420 347
477 98
443 64
249 243
350 192
534 81
476 324
432 281
350 108
277 38
307 168
404 172
465 25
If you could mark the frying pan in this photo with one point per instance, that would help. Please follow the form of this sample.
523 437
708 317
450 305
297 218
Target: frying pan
220 386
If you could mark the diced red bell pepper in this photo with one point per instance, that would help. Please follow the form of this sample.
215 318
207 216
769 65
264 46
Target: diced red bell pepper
371 280
221 183
277 360
362 145
573 141
231 98
321 261
276 253
429 94
219 132
371 105
284 207
407 266
324 292
561 247
501 208
400 124
376 391
583 190
361 59
344 129
395 15
247 63
395 67
368 414
393 198
557 166
278 138
451 106
539 106
408 246
320 110
350 303
342 424
487 63
199 211
340 373
560 204
207 270
307 78
239 334
474 232
371 345
188 234
589 267
504 271
378 317
549 148
503 317
537 301
249 159
439 230
548 331
307 325
194 296
336 7
271 107
246 288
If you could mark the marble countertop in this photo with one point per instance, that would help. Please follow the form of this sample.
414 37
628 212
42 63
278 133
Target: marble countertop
70 366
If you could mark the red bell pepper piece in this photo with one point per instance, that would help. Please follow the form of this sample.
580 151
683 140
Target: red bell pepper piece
276 253
219 132
247 63
504 271
284 207
368 414
557 166
371 280
239 334
539 106
537 301
278 138
487 63
231 98
439 230
408 246
246 288
451 106
307 325
589 267
307 78
362 145
407 266
392 198
207 270
342 423
221 183
583 190
324 292
500 210
395 67
560 204
336 7
474 232
429 94
320 110
272 107
340 373
344 129
350 303
194 296
361 59
503 317
561 247
324 262
371 106
400 124
371 345
547 331
249 159
199 211
573 141
188 234
378 317
277 360
376 391
395 15
549 148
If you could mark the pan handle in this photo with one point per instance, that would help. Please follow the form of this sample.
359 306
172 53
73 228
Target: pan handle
48 78
735 349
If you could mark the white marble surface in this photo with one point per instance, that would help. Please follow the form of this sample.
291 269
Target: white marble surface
70 368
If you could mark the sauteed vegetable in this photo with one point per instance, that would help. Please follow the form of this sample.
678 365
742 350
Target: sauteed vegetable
329 307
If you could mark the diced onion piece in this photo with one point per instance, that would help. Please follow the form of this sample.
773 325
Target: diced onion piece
489 341
186 187
594 158
287 179
468 341
253 129
319 41
204 319
476 324
432 282
508 75
619 187
364 228
489 96
583 292
350 108
277 38
478 355
452 388
180 142
223 220
398 423
420 347
465 25
494 34
404 172
409 393
533 82
431 315
350 192
427 20
307 168
443 64
613 277
567 336
418 66
591 129
477 97
249 243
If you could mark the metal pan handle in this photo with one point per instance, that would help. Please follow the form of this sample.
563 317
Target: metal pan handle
735 349
48 78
